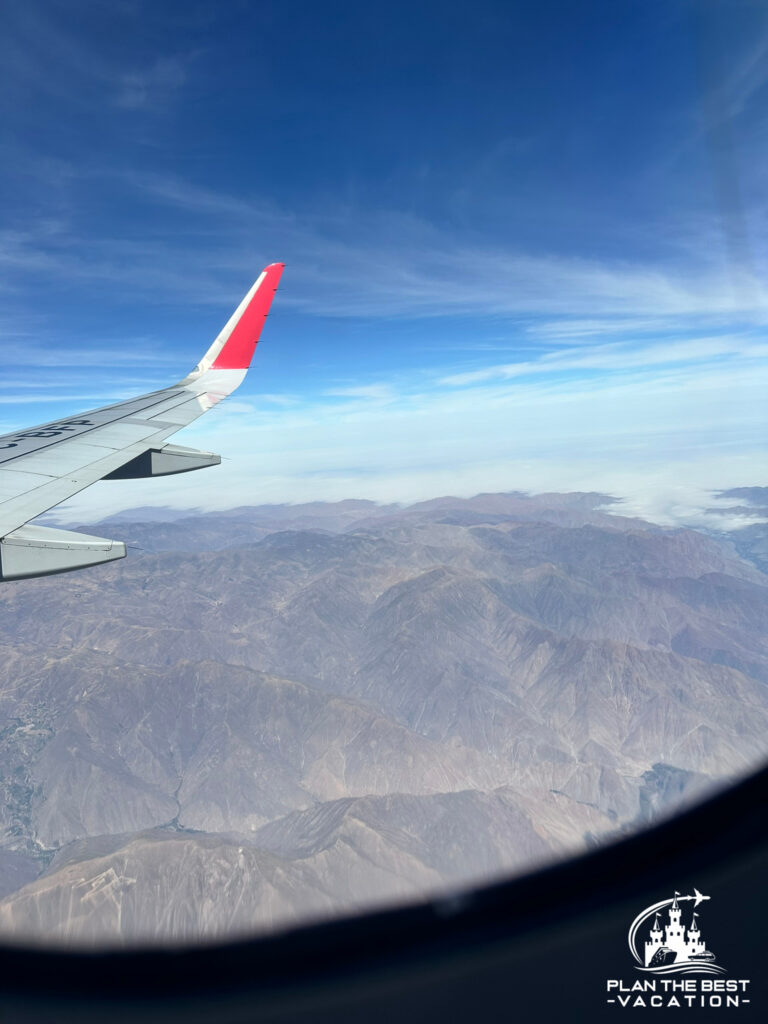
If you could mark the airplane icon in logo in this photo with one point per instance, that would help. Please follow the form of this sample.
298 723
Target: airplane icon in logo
698 897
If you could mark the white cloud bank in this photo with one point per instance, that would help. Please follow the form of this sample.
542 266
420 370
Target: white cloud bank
663 442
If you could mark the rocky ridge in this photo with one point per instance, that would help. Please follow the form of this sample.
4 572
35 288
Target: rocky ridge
280 713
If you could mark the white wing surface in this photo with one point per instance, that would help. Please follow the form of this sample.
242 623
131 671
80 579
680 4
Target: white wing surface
45 465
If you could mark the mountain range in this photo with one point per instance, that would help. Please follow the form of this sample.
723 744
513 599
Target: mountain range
274 714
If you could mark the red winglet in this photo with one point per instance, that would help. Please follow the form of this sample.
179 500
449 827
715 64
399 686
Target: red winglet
240 345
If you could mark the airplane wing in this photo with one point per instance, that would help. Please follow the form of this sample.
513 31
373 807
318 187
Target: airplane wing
43 466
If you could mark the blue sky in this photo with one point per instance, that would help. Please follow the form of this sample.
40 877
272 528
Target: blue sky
524 242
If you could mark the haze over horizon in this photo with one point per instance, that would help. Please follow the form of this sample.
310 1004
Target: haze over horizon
524 247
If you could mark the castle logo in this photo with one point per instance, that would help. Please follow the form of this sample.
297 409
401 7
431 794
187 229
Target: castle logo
666 939
674 944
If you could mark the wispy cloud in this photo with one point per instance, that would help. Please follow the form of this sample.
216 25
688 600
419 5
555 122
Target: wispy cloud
731 90
359 264
662 442
619 357
286 401
154 85
375 392
45 53
573 330
127 353
35 398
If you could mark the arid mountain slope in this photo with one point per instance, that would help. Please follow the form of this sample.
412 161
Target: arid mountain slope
360 702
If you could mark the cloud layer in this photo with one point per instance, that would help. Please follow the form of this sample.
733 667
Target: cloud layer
497 277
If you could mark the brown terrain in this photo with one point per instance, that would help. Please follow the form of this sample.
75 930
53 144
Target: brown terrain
279 713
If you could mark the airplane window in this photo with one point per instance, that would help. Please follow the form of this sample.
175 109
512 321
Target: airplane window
469 579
